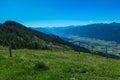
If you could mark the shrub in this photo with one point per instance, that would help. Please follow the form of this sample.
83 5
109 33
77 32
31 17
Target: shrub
40 66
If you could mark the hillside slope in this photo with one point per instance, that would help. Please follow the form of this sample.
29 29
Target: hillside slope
18 36
51 65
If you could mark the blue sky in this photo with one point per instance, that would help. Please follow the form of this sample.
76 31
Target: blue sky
45 13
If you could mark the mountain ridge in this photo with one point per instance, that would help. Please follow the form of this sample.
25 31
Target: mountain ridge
103 31
19 36
22 33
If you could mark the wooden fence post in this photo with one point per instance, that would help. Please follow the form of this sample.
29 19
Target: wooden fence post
106 51
79 47
92 50
10 51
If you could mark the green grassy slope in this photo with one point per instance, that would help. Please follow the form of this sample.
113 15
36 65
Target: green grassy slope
56 65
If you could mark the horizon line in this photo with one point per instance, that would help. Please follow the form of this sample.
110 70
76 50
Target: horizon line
75 24
56 23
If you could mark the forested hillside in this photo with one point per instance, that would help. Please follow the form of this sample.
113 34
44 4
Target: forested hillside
19 36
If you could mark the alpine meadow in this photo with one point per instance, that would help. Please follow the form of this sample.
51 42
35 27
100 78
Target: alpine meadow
59 40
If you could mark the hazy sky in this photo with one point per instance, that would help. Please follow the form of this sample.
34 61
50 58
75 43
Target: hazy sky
46 13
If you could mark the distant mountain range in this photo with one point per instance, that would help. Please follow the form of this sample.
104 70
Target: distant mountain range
102 31
52 30
93 36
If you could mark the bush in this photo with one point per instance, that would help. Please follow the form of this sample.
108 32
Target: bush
40 66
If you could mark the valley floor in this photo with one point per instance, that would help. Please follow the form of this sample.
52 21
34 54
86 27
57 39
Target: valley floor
56 65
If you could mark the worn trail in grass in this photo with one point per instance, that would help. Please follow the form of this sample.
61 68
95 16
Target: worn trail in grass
56 65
